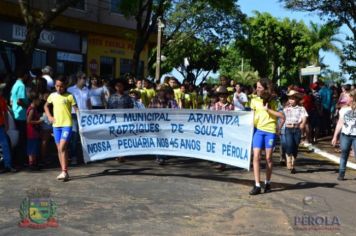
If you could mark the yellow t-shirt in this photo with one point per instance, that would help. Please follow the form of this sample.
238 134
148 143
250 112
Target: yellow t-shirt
187 101
194 100
149 94
62 108
177 94
262 119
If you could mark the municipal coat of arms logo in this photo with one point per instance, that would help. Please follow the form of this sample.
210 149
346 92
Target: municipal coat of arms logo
38 210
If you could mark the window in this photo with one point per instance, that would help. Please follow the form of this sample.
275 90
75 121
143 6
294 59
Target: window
115 6
39 58
125 66
107 67
80 5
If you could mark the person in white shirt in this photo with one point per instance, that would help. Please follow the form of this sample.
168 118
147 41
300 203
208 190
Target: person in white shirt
239 98
347 126
97 93
47 74
81 95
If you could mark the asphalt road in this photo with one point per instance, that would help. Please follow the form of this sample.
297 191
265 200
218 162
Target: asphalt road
186 197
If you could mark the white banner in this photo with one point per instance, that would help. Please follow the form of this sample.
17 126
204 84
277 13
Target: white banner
219 136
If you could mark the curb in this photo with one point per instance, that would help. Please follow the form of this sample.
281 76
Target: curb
329 156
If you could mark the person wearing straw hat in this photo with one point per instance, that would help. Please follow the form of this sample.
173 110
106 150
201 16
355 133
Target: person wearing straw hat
222 105
295 120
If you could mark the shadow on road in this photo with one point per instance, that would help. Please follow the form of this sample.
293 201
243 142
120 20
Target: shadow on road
277 186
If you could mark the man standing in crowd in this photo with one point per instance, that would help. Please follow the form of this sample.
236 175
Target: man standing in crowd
325 96
19 102
47 75
82 98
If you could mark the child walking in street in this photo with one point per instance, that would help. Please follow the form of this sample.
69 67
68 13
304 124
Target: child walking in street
62 122
296 118
33 130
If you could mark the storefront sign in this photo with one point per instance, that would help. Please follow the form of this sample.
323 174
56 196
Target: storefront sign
111 43
66 56
19 33
53 38
218 136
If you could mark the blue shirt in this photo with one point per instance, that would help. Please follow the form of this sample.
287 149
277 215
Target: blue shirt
325 96
18 91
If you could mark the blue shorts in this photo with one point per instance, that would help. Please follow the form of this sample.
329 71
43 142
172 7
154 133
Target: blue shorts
262 139
33 147
62 133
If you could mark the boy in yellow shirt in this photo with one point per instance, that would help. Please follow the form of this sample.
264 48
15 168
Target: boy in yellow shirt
62 122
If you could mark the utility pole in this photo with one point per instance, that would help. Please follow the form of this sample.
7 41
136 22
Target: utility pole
158 58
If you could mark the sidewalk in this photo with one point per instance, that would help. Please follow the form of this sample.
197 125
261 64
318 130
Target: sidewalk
324 148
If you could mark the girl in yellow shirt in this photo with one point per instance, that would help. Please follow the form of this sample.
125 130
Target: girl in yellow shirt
265 122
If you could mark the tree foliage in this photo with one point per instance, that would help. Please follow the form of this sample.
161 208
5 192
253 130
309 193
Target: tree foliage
282 47
339 12
234 66
270 43
197 30
146 14
203 58
323 37
35 21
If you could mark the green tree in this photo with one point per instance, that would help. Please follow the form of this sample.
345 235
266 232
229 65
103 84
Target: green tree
35 21
322 37
146 14
197 30
349 59
340 11
333 77
203 58
270 44
233 65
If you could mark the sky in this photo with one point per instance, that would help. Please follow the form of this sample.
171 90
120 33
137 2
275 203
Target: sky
276 9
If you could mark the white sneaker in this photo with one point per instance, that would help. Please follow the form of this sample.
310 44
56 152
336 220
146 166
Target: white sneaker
66 177
61 176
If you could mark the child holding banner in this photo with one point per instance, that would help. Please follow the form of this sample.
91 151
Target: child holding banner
265 121
163 99
62 121
120 100
222 105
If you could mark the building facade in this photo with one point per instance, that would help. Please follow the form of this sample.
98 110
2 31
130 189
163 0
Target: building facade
92 36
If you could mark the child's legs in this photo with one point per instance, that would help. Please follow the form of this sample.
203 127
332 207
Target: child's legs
62 137
257 144
296 137
63 154
269 139
33 150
